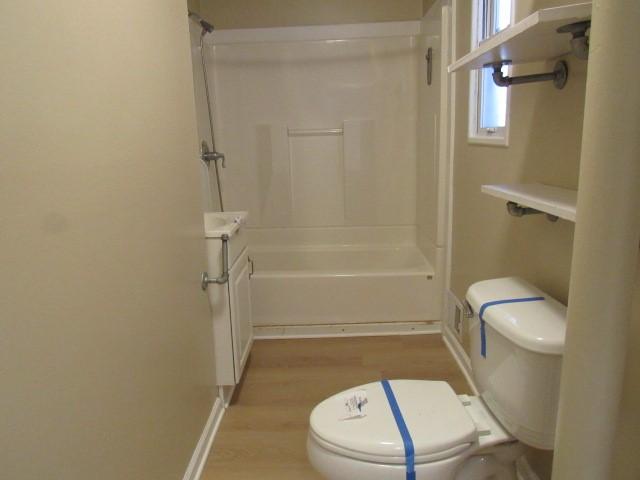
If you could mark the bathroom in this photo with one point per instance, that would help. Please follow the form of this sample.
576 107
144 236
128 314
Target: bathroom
348 207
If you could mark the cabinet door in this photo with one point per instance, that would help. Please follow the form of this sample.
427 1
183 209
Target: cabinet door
241 323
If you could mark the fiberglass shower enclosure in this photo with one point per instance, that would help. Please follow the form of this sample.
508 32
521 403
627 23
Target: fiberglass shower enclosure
331 135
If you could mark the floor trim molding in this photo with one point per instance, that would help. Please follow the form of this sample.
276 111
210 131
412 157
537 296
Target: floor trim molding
346 330
460 356
201 452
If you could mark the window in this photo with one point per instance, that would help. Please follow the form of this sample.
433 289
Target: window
489 104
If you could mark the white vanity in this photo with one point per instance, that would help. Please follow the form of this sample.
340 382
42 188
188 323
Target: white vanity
227 284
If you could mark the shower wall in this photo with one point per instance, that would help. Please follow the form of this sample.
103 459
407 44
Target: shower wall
331 136
318 133
431 160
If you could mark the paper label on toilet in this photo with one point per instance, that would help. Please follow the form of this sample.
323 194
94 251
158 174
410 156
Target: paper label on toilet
354 404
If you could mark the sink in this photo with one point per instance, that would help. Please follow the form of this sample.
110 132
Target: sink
217 224
231 225
226 239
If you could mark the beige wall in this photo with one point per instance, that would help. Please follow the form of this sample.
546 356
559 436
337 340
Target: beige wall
283 13
105 351
545 136
426 5
544 146
194 6
626 463
599 438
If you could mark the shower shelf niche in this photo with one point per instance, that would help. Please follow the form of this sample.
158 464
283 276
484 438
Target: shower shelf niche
532 39
554 201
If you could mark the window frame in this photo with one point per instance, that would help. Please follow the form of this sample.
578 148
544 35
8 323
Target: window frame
476 134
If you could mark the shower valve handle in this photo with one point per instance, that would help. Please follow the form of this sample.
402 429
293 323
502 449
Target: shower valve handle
215 156
207 156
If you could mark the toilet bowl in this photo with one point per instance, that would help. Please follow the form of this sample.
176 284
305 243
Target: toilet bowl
446 430
422 430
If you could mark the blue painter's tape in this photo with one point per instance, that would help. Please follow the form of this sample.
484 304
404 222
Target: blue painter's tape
483 335
409 452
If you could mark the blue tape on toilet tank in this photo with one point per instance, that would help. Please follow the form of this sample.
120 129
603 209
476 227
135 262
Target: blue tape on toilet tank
409 452
483 336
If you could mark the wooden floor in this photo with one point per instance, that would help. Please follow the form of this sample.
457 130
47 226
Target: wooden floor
263 434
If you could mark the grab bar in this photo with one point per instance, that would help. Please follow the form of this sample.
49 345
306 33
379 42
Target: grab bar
224 278
429 58
314 132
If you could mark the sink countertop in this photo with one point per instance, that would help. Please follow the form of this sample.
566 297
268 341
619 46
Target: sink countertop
217 224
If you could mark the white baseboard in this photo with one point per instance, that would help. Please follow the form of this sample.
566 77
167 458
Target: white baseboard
225 393
200 454
460 356
346 330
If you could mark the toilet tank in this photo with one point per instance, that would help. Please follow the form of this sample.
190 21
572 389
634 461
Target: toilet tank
517 372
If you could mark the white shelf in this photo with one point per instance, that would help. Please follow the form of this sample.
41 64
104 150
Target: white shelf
530 40
557 201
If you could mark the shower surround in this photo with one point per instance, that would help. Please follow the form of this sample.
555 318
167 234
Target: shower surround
320 129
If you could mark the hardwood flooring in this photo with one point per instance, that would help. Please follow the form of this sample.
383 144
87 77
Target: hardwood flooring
263 434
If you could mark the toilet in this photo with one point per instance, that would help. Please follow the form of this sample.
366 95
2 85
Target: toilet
422 430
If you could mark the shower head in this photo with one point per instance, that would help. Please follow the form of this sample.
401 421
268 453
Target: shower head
206 26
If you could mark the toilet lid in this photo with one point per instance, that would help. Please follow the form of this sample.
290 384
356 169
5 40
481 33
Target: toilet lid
437 421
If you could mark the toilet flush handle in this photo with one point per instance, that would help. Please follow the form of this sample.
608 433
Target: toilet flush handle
468 311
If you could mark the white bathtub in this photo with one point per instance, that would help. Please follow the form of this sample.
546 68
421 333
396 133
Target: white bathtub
328 285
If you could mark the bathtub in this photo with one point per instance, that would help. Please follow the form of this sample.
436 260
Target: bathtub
332 285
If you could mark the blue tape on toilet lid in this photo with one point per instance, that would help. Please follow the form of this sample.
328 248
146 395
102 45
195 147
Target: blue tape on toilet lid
483 308
409 451
432 412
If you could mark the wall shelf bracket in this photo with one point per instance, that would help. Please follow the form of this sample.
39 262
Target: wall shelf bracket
559 75
517 210
579 37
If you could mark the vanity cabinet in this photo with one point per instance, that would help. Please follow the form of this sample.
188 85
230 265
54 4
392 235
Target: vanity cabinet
240 318
230 296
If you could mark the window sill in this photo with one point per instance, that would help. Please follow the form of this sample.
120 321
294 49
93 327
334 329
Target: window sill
488 141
